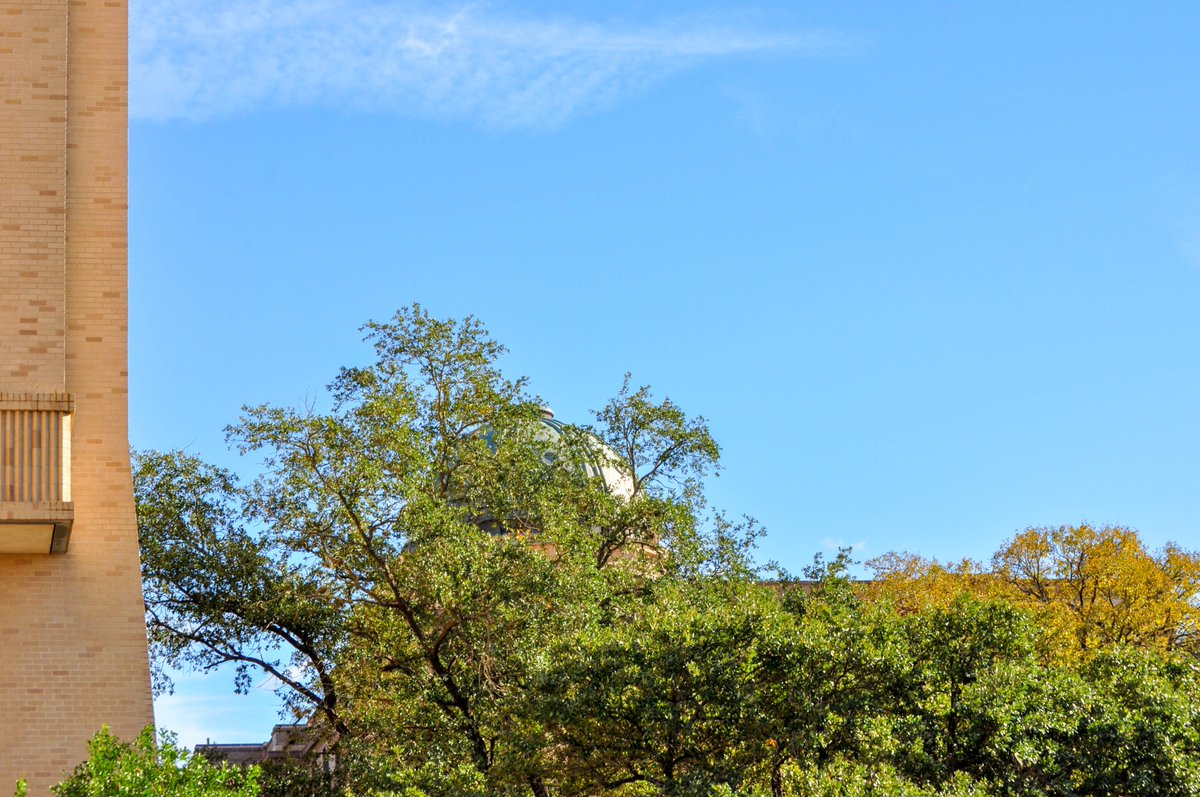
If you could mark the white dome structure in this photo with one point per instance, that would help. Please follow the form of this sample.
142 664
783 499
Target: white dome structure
560 443
601 464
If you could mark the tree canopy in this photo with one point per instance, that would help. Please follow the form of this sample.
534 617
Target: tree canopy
405 559
469 600
1091 588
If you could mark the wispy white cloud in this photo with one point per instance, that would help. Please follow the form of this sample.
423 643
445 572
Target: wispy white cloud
202 58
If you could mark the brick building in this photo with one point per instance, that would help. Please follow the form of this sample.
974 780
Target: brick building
72 637
289 742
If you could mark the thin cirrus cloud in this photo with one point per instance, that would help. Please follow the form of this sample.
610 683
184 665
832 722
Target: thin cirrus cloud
196 59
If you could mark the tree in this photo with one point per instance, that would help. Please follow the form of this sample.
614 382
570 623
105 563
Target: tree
830 688
727 683
667 701
1141 730
218 594
1101 588
474 599
407 558
147 768
1078 680
847 778
1090 588
953 649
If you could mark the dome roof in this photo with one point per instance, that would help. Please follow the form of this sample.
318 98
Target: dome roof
601 463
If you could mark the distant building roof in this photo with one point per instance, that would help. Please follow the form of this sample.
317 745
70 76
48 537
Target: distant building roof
288 741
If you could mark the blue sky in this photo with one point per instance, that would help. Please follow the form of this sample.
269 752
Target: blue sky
931 270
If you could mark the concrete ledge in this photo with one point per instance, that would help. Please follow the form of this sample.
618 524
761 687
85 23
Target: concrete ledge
36 511
37 527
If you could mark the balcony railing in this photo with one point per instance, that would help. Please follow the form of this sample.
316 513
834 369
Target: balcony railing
35 472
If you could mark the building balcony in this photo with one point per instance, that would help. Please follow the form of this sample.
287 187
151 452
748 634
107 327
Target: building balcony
35 472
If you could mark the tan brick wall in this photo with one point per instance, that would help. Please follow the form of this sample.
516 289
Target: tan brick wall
72 640
33 116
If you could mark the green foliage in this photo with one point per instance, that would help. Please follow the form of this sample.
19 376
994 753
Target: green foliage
952 649
409 558
146 768
218 594
467 608
1142 727
845 778
299 778
668 700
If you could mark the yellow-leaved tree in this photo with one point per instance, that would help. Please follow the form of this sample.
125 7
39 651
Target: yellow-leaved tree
913 583
1090 588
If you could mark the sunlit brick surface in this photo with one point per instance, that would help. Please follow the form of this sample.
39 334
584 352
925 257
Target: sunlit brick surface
72 640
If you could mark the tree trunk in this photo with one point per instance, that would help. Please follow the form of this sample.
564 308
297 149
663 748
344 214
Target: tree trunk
538 787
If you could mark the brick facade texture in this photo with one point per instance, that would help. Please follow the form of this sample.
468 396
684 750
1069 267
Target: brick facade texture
72 635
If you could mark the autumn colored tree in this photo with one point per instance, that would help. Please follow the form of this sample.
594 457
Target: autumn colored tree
1100 588
912 583
1091 588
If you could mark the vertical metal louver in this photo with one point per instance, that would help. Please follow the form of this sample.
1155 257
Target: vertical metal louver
32 455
